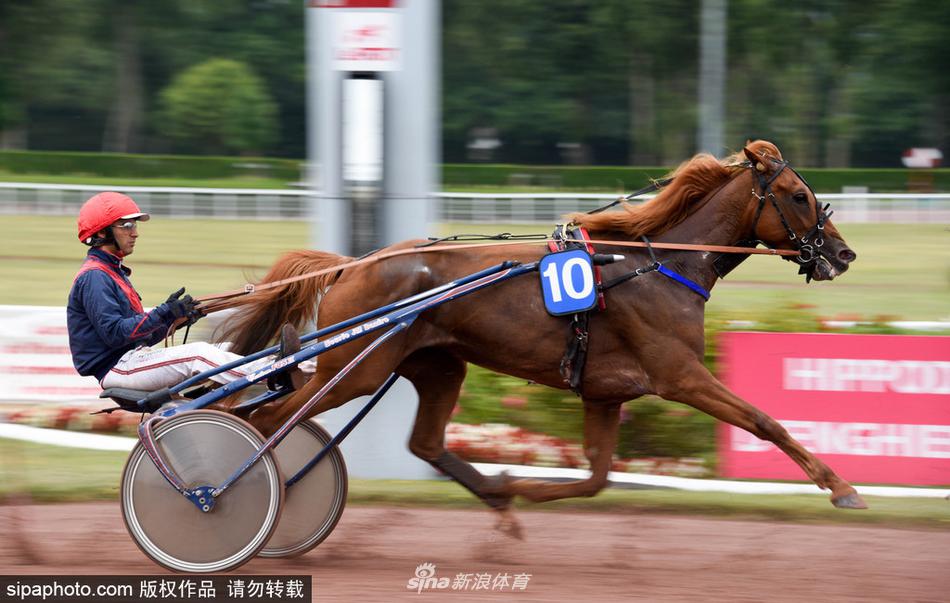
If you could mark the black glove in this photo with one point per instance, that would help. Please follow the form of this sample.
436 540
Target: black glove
174 296
183 307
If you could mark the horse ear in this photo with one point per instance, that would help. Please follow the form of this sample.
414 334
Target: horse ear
757 160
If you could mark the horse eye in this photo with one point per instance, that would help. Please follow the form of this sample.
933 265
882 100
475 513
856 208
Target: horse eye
800 198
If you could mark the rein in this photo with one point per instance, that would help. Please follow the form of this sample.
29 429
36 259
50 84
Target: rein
216 302
653 186
805 254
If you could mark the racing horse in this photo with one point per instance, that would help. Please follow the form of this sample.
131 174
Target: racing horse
648 340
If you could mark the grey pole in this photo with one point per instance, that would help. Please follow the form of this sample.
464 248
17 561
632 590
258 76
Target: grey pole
329 226
412 126
712 77
344 38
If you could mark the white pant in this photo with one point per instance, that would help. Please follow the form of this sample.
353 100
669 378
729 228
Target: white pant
150 369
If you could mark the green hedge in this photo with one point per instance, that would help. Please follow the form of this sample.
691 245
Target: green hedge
117 165
823 180
454 176
553 177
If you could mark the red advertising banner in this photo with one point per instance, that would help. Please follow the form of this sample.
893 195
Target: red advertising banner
875 408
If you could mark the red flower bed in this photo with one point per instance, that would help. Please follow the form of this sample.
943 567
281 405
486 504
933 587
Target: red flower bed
73 418
505 444
499 443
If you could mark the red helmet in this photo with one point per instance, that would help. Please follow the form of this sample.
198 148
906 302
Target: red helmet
102 210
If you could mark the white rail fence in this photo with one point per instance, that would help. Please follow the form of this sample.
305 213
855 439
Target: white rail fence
546 208
175 202
481 208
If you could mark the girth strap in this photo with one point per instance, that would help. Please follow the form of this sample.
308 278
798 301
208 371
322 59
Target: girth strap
575 353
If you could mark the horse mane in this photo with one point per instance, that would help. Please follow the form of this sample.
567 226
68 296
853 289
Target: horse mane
691 182
258 316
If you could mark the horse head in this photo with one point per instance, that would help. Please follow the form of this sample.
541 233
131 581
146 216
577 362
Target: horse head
785 214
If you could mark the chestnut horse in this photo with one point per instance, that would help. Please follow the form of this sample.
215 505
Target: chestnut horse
649 340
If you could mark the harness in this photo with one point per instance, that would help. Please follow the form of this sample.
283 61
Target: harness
571 236
807 245
93 263
567 236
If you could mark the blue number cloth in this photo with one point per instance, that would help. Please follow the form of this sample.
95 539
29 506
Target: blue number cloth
567 282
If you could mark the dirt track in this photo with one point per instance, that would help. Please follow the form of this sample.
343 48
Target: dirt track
570 556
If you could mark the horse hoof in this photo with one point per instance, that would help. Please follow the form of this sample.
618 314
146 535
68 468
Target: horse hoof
851 500
509 525
494 490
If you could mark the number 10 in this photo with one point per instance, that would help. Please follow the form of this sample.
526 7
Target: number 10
587 279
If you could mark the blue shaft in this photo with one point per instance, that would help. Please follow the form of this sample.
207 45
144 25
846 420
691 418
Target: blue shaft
300 414
343 432
340 325
395 312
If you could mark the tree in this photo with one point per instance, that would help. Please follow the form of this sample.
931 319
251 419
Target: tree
833 83
265 35
903 91
651 47
219 106
45 66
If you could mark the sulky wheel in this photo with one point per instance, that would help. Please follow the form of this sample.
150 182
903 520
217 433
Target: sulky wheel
314 504
204 447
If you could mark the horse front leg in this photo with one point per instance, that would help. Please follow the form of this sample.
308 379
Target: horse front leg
601 426
697 387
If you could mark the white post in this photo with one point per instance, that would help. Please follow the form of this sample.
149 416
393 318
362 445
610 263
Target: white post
396 42
712 76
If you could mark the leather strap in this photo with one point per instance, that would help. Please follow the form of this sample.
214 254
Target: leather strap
250 288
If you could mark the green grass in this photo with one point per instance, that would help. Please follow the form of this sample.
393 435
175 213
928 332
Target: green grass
57 474
922 512
204 171
535 189
902 271
243 182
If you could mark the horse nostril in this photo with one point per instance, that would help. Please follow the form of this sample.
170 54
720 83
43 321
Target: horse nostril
846 255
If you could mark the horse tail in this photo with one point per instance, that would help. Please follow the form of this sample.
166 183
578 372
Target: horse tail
258 316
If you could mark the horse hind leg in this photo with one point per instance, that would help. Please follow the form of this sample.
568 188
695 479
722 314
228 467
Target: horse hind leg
437 376
601 427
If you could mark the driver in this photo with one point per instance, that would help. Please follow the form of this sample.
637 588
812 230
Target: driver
110 334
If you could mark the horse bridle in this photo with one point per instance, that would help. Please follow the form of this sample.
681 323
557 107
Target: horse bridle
809 244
